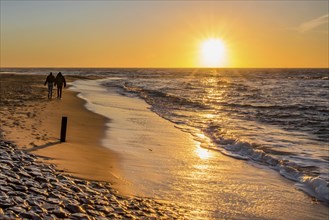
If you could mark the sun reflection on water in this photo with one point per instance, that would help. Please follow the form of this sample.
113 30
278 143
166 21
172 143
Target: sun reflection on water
202 153
201 136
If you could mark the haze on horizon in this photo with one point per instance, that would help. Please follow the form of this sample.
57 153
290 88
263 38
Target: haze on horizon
256 34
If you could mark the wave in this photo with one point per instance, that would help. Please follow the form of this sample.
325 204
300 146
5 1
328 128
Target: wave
314 186
153 97
179 101
279 107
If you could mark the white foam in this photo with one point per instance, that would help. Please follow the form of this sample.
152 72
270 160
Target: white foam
316 187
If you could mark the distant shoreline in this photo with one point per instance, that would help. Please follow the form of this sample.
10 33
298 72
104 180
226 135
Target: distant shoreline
105 68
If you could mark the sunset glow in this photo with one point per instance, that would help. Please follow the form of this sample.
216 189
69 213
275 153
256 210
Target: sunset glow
142 34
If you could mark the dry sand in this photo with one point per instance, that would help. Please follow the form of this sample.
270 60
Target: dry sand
33 122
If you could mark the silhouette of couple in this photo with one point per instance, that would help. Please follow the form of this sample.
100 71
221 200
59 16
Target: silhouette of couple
59 81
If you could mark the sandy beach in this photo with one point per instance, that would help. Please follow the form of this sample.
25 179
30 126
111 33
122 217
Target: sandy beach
82 153
35 123
32 122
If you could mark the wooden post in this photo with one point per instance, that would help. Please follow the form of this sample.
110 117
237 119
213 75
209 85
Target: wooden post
63 129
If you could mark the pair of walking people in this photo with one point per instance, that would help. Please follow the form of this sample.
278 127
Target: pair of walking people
58 81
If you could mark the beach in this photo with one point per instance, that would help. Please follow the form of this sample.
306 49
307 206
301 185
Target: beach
41 134
42 173
137 155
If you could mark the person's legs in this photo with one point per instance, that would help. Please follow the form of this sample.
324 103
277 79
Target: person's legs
60 92
50 91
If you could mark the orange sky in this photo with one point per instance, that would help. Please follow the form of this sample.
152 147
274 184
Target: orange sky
163 33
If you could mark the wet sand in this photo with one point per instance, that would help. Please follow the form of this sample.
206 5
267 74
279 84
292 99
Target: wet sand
33 122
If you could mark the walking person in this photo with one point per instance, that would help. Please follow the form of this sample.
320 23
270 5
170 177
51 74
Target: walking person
60 82
50 80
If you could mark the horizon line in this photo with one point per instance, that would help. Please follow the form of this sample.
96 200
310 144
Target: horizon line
164 67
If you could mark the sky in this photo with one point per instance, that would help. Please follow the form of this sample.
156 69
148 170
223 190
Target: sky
169 34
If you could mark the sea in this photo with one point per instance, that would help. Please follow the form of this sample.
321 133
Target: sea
273 118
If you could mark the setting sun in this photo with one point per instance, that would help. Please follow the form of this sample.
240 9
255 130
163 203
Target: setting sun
213 53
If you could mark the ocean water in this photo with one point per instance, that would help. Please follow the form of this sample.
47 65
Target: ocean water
272 118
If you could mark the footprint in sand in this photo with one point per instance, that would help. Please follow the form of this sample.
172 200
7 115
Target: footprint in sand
33 144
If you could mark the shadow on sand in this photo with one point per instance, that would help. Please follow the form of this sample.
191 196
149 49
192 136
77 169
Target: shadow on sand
42 146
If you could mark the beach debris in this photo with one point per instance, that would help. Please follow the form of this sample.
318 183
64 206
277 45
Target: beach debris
30 189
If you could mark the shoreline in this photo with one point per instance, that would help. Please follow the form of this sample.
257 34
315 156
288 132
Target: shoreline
34 126
82 153
223 186
162 161
42 178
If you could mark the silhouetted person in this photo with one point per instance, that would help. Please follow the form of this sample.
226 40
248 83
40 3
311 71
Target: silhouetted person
50 80
59 82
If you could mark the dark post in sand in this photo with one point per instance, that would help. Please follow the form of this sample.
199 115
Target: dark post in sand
63 128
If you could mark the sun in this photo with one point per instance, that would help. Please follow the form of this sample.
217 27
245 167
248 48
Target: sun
213 53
